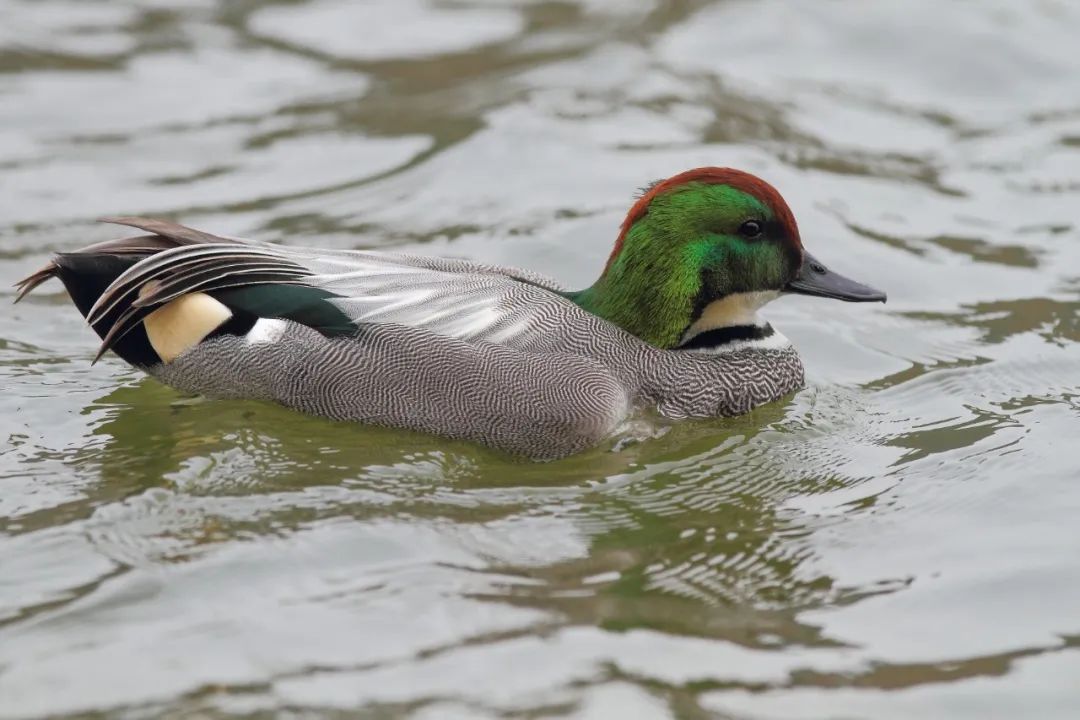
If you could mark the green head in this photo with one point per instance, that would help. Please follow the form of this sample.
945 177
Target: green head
698 251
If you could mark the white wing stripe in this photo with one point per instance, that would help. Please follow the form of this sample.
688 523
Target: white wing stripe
454 298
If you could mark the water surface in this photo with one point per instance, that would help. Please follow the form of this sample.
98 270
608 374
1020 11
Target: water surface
898 540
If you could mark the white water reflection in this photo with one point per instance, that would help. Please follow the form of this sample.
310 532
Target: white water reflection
387 28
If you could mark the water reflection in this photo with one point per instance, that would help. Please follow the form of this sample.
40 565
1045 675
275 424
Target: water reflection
684 529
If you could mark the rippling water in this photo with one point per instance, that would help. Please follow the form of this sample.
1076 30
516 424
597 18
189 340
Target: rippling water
898 540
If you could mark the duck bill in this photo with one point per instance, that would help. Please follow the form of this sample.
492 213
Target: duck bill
816 279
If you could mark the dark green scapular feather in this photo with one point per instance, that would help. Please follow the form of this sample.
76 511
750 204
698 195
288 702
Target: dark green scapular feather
303 304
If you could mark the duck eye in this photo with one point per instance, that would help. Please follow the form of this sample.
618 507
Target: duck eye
750 229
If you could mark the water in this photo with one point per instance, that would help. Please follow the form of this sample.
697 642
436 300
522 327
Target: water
898 540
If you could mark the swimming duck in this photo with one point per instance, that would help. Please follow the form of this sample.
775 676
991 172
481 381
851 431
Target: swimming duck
495 355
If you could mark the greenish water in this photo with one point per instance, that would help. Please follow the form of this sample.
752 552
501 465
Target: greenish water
898 540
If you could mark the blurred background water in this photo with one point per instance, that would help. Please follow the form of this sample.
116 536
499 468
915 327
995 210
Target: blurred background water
898 540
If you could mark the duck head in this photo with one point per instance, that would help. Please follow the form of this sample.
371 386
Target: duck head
702 251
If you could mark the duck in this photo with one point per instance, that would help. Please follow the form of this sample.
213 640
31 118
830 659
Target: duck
499 356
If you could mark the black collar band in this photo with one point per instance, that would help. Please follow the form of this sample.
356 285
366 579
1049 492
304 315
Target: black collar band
724 335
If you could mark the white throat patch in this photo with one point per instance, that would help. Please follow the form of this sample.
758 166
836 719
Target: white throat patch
731 311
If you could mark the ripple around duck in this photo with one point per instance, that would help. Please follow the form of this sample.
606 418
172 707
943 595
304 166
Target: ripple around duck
681 545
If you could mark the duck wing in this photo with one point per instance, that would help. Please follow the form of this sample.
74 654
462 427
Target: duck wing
454 298
333 291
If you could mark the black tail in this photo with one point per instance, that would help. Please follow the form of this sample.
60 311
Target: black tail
86 273
85 277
